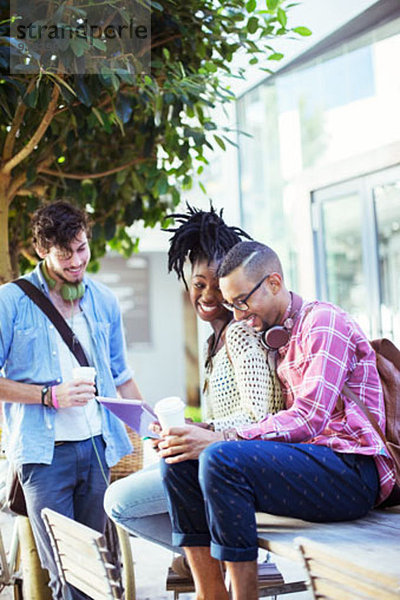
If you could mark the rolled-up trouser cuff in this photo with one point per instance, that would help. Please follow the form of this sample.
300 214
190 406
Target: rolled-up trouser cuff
233 554
191 539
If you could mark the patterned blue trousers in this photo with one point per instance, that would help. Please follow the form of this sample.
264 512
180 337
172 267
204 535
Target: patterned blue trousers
212 501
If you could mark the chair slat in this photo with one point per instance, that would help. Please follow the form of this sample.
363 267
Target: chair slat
92 592
365 586
327 590
81 551
72 528
334 575
99 574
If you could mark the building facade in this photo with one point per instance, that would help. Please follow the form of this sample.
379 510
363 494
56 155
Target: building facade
319 177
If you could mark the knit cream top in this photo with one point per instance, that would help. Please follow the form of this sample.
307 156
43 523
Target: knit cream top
242 388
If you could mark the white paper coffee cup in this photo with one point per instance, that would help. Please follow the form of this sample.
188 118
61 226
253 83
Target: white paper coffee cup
84 373
170 412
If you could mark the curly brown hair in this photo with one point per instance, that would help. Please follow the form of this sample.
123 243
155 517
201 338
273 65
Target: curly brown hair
58 224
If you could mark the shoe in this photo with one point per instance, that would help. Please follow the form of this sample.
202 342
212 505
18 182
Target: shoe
180 566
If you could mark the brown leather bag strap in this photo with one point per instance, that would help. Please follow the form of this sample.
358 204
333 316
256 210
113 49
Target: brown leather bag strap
350 394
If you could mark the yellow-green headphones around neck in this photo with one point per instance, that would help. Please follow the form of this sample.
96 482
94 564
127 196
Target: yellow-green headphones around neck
69 291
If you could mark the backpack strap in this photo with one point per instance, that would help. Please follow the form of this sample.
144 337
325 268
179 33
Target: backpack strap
350 394
388 350
55 317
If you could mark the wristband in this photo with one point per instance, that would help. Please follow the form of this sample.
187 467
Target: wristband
54 400
44 392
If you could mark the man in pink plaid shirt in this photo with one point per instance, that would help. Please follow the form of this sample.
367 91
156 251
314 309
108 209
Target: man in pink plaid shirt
319 459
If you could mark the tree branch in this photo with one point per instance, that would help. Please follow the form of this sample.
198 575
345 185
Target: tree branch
37 136
79 103
35 190
15 125
17 182
30 257
81 176
164 41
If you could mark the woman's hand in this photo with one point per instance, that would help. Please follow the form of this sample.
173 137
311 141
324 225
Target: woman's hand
186 443
155 435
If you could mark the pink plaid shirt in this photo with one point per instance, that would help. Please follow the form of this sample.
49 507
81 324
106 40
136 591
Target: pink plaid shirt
326 350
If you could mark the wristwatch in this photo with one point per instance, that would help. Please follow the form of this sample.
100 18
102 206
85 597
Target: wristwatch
230 434
45 391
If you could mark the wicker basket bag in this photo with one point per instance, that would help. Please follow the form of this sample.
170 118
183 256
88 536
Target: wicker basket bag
131 462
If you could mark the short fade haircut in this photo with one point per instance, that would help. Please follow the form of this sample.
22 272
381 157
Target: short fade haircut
255 258
58 224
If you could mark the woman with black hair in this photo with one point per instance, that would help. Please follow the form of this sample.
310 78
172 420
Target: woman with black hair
239 386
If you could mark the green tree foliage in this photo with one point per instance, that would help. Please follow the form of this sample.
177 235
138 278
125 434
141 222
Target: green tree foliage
121 145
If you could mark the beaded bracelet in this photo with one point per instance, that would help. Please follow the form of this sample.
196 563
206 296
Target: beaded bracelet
230 435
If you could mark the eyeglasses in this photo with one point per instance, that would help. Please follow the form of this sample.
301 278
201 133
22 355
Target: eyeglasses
242 303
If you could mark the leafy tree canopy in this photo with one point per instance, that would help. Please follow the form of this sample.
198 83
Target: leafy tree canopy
118 141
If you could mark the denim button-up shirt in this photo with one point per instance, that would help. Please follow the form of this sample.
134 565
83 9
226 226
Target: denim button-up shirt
29 354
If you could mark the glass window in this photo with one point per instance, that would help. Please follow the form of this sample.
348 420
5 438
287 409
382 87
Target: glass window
387 207
357 249
304 127
342 234
338 106
261 178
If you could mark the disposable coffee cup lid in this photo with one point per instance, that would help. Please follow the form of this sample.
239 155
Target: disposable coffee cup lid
172 403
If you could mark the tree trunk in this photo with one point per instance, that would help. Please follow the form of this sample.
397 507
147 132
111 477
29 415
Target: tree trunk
5 264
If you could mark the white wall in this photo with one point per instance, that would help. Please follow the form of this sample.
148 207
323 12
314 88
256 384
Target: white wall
159 363
159 367
323 17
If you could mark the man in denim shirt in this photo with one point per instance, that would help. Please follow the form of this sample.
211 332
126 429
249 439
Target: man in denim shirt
58 436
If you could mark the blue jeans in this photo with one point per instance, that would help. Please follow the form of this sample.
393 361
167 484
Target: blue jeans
139 505
72 485
213 501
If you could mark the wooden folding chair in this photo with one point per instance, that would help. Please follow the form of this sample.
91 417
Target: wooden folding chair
334 576
82 557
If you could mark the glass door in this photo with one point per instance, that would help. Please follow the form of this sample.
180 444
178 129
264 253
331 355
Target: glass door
356 227
387 211
343 275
